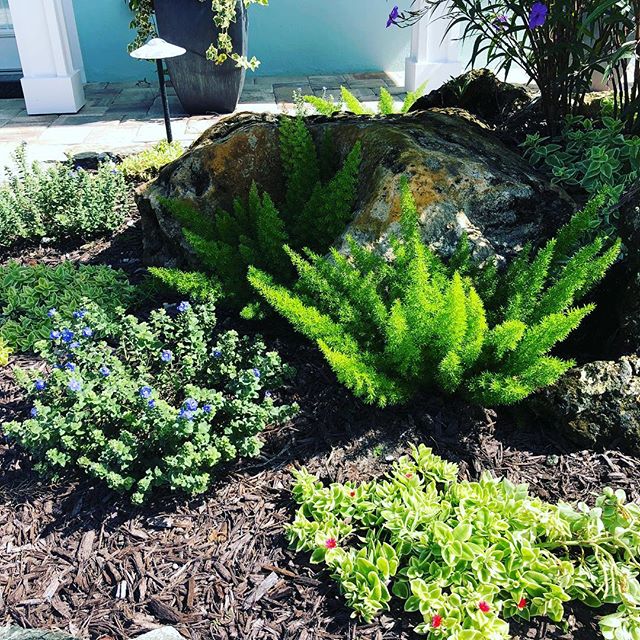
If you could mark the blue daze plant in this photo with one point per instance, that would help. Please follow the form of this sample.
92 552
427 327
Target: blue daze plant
59 201
36 298
465 557
147 405
392 327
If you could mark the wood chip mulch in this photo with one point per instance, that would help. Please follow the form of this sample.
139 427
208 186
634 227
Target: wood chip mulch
76 557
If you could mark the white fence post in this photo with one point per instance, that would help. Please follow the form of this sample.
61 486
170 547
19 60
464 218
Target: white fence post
434 57
50 56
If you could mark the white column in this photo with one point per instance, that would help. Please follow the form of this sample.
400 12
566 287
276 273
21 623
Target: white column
50 55
434 57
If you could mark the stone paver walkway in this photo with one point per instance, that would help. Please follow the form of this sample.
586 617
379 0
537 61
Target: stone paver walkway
128 117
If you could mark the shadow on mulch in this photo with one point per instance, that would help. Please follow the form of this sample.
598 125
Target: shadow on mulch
80 558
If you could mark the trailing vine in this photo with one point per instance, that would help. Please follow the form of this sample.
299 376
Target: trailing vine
224 14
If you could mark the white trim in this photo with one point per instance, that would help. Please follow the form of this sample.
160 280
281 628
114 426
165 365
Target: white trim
434 57
49 49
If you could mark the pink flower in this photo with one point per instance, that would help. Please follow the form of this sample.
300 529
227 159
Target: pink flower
408 475
522 604
484 606
331 543
436 621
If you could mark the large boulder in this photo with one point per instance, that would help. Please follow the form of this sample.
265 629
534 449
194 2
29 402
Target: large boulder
463 179
597 404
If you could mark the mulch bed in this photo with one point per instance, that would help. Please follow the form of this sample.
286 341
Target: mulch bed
76 557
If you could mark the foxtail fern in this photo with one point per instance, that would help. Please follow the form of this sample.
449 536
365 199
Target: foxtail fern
392 328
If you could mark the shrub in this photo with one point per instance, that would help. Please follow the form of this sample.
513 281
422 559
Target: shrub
143 166
589 154
467 556
390 328
328 106
314 213
59 201
558 43
142 405
29 296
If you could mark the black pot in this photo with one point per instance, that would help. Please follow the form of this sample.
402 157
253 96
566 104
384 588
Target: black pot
202 86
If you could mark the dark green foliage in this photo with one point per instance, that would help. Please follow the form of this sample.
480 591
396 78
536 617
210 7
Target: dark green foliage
314 213
392 328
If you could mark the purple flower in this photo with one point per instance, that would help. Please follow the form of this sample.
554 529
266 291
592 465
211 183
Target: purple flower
500 22
393 16
537 15
145 392
183 306
40 385
151 404
185 414
206 408
79 314
166 356
52 312
54 334
70 366
67 335
34 412
105 372
217 354
191 404
75 384
87 332
256 373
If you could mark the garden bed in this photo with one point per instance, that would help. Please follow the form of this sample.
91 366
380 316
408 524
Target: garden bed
80 558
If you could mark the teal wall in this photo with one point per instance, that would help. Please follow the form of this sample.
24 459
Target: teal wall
290 37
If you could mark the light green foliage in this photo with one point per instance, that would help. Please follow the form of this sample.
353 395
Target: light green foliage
468 556
192 284
317 206
27 293
58 201
392 328
594 155
143 405
327 106
5 352
143 166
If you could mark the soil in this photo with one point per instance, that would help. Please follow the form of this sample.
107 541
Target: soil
79 558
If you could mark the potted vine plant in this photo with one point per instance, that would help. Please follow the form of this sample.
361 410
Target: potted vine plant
210 76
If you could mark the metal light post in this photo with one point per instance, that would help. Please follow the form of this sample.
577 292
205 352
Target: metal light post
158 49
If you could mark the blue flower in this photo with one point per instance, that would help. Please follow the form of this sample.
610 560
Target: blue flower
74 345
166 356
393 16
217 354
79 314
500 22
191 404
87 332
34 412
207 408
67 335
256 373
185 414
267 394
70 366
145 392
52 312
183 306
151 404
75 384
54 334
105 371
40 385
537 15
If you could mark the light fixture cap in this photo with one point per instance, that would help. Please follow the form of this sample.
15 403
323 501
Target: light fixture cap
157 49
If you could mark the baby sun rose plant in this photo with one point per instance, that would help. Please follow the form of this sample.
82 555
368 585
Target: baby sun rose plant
465 557
148 405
